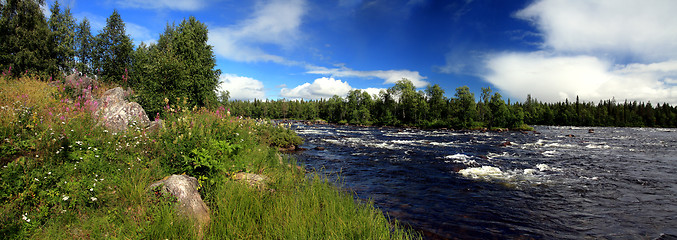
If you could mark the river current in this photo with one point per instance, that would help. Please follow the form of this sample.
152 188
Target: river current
551 183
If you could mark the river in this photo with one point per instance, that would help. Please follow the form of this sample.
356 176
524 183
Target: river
552 183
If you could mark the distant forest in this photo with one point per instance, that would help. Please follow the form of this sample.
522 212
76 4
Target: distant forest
180 70
402 105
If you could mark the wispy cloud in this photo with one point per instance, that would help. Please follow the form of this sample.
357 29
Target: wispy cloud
596 50
389 76
241 88
139 34
181 5
320 88
274 23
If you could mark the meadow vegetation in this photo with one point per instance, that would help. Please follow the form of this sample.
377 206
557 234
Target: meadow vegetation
63 176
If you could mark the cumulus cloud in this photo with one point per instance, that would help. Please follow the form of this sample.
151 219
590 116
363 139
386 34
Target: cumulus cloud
634 28
241 88
183 5
320 88
585 49
373 91
389 76
274 23
556 78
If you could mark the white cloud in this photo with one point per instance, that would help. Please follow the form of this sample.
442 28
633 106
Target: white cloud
275 23
373 91
241 88
182 5
320 88
139 33
586 49
638 29
555 78
389 76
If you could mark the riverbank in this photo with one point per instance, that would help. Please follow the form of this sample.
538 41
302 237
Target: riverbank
64 176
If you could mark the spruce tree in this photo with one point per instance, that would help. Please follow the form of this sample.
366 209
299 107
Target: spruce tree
62 40
84 42
23 37
114 51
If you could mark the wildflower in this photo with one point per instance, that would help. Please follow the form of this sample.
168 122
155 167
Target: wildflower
91 189
25 218
35 179
49 173
93 199
65 198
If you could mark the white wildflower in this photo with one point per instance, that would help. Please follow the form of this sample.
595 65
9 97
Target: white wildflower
65 197
93 199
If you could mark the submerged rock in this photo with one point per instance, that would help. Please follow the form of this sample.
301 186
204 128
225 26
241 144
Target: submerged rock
184 188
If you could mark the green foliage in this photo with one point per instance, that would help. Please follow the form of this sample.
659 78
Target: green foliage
84 42
62 39
24 38
180 65
68 178
114 51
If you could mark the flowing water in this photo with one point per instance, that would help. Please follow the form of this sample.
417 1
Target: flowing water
615 183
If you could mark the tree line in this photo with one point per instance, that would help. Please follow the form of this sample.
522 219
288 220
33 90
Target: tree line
402 105
180 70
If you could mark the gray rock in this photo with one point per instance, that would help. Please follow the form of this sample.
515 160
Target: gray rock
252 179
117 114
184 188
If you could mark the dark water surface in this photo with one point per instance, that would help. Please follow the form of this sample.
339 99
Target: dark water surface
615 183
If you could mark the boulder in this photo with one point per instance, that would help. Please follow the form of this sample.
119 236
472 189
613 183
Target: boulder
116 113
81 83
184 188
253 180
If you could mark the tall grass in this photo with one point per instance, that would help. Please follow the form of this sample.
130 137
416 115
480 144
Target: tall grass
65 177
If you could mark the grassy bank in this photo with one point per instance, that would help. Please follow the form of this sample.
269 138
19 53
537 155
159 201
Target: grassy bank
65 177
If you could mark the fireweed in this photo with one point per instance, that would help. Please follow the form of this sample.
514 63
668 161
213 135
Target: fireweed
64 176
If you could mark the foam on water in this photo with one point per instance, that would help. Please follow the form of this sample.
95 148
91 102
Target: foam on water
559 145
312 131
513 177
441 144
550 153
460 158
597 146
483 172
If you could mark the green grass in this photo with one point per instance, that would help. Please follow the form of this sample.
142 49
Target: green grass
65 177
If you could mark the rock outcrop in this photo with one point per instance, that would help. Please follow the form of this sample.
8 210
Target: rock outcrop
184 188
117 114
111 110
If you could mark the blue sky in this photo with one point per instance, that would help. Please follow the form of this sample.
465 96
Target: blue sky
551 49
